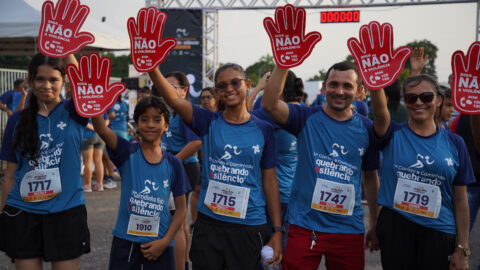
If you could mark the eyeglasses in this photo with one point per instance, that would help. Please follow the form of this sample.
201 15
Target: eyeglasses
206 97
235 83
175 86
425 97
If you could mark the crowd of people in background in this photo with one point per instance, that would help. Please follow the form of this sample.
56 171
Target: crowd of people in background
242 181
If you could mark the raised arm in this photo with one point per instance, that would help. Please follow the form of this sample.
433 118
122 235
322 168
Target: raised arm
381 115
271 102
163 88
21 103
417 61
254 92
107 135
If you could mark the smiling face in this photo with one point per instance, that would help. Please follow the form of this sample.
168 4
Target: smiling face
235 92
341 89
447 110
181 89
47 84
420 111
207 100
151 125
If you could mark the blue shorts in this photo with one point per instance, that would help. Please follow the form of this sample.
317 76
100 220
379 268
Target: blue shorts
127 255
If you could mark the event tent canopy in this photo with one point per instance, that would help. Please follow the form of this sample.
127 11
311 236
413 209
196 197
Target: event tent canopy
19 24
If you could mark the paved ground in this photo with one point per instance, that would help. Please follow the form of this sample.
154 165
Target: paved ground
102 213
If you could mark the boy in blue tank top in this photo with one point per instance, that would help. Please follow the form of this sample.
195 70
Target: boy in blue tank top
145 229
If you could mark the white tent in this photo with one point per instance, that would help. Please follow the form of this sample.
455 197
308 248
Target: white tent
19 24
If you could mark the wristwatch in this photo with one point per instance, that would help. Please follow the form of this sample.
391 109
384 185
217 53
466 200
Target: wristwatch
278 229
466 251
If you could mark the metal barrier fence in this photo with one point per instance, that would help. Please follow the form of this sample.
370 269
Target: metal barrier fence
7 77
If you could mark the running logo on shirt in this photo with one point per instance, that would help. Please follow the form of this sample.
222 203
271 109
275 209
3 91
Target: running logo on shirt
227 154
336 147
420 164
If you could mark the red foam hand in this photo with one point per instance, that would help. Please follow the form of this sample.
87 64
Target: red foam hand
92 93
290 45
378 63
465 77
59 34
147 47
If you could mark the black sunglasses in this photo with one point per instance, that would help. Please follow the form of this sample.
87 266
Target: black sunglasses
425 97
235 83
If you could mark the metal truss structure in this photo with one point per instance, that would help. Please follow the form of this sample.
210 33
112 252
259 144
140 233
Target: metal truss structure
210 16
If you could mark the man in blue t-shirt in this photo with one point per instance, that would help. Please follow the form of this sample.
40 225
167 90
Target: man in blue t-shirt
10 100
335 149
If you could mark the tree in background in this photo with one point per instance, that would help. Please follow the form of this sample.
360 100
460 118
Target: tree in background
320 76
428 49
256 71
119 64
15 61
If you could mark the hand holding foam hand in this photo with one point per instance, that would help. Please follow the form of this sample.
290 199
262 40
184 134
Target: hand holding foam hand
290 45
92 93
147 47
465 77
377 62
59 33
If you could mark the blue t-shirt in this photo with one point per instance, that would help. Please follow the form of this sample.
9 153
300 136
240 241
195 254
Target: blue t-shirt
16 99
258 103
287 155
145 188
320 100
7 99
440 159
60 139
336 151
361 107
235 154
119 122
177 136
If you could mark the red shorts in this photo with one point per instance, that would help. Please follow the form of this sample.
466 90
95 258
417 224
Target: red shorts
342 251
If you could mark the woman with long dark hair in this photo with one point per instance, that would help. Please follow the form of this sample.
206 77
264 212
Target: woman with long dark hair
43 208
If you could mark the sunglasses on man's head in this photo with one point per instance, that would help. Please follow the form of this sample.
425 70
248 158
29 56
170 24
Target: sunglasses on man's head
235 83
425 97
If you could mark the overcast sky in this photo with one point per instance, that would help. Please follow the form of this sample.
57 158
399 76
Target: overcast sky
242 38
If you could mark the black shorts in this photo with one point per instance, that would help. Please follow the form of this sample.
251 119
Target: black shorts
217 245
193 173
407 245
53 237
127 255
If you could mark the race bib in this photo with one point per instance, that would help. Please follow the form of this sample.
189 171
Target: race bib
227 200
332 197
417 198
143 226
40 185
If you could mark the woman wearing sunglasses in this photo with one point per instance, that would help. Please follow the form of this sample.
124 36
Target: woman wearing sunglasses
238 175
424 220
